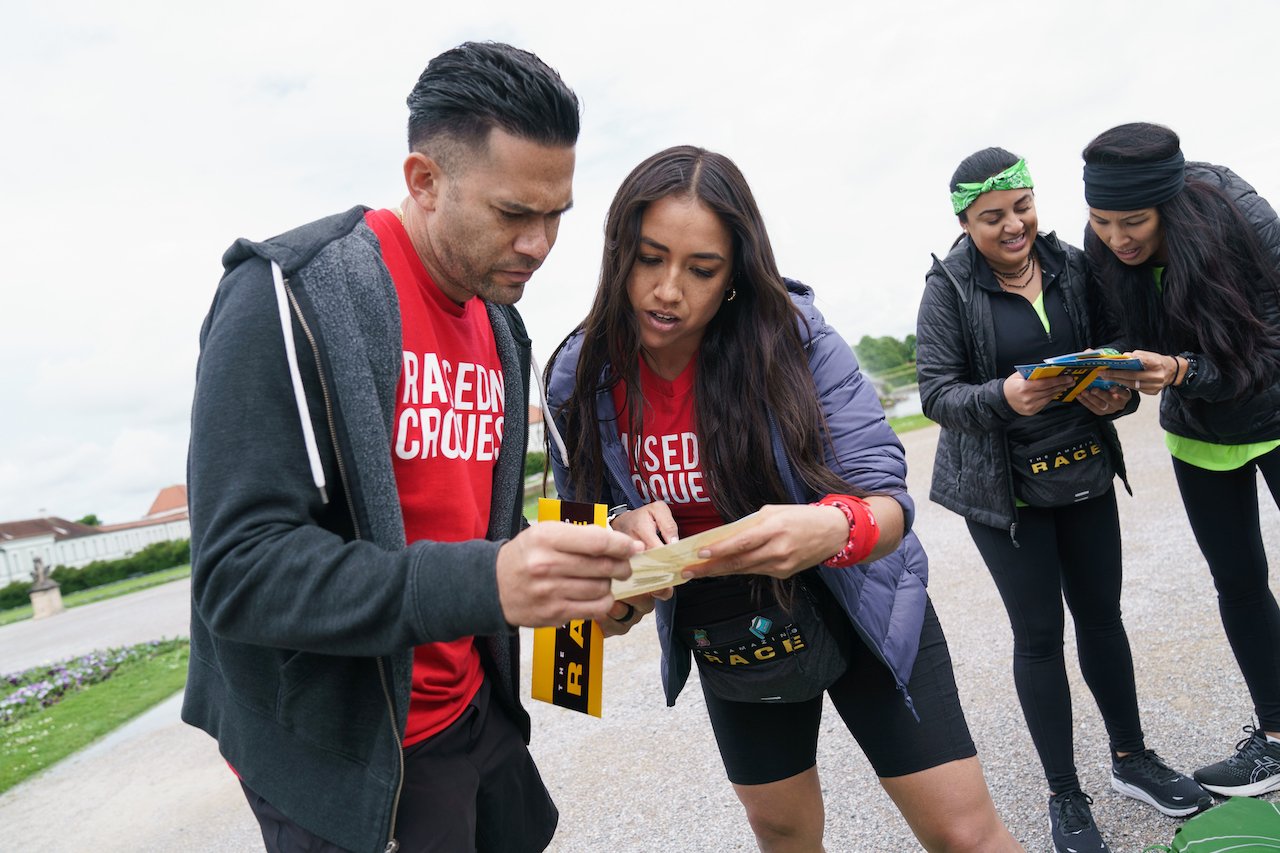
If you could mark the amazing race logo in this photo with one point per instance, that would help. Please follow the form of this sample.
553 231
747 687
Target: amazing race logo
450 410
1080 451
667 468
752 650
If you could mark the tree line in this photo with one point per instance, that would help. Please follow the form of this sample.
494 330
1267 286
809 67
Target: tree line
885 354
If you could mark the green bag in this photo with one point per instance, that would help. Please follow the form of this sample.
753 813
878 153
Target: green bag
1240 825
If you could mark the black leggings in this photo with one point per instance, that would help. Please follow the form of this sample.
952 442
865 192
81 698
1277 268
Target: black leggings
1071 551
1222 507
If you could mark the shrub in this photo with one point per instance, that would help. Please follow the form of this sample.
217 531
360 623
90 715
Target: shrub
15 594
534 463
153 558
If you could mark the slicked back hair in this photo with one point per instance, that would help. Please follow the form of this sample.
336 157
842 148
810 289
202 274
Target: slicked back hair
467 91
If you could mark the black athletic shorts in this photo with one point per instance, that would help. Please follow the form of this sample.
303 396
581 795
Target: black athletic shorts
761 743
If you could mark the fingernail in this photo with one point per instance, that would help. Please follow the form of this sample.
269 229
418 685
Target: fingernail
704 554
688 575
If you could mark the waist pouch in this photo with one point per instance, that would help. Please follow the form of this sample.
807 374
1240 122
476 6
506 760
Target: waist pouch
771 654
1062 470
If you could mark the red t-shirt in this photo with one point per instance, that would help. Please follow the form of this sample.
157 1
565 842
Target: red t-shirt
666 462
446 438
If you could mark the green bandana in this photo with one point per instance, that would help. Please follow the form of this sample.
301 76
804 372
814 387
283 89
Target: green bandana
1016 177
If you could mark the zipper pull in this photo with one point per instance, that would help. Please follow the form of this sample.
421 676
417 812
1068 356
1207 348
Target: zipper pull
392 846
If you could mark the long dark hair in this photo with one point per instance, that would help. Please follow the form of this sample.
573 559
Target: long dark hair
751 362
1216 274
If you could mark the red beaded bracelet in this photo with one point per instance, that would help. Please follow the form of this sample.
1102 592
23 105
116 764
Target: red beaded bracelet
864 533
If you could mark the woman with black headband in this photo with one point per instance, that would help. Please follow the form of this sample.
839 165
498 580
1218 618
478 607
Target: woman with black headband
1033 477
1189 256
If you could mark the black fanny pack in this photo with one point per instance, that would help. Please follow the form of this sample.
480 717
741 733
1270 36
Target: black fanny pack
772 654
1062 470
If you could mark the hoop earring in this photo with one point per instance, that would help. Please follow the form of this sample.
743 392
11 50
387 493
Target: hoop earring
732 294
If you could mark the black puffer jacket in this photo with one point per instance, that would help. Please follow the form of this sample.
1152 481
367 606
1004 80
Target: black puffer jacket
1203 409
960 388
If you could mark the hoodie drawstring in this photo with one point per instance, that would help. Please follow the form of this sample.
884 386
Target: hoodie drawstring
548 421
299 393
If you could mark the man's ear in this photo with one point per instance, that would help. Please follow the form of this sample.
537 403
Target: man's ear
424 179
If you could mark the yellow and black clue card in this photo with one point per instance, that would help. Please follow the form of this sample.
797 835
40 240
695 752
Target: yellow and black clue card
568 661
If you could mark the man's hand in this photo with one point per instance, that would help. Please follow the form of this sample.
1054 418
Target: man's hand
627 612
553 572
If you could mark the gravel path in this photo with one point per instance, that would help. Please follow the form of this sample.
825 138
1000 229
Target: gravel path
648 778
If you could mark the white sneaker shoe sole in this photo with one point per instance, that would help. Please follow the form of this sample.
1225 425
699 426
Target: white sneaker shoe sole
1137 793
1253 789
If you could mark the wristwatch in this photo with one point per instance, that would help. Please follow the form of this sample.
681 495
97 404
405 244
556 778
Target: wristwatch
1193 367
614 512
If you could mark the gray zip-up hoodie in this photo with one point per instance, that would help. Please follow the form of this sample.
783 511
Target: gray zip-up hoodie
306 602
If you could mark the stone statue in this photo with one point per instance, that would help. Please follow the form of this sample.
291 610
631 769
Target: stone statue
40 576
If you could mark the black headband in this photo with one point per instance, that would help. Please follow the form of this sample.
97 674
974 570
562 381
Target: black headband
1132 186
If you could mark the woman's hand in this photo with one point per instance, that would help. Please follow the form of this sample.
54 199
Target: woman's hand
626 613
1105 401
1029 396
1158 371
788 539
652 524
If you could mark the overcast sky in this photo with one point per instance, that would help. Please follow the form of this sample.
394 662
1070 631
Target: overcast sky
139 139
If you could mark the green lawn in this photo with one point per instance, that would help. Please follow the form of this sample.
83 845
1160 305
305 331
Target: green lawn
36 741
906 423
100 593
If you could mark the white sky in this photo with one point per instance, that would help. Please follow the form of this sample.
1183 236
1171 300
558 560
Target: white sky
139 139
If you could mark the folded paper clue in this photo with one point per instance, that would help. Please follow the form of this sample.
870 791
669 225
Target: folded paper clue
568 661
660 568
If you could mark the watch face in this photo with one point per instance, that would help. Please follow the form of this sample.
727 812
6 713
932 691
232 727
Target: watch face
1192 366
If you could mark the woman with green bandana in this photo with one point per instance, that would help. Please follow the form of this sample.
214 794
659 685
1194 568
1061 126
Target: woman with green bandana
1189 256
1032 476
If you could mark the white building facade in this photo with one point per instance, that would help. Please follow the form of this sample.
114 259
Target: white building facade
59 542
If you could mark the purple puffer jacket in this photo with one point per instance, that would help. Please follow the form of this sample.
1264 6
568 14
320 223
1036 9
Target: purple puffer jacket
885 599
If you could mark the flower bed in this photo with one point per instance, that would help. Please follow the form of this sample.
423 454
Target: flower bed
28 692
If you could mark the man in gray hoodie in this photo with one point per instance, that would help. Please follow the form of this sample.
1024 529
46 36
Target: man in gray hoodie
359 556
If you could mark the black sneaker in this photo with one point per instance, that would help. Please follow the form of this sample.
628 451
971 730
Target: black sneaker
1144 776
1072 824
1253 770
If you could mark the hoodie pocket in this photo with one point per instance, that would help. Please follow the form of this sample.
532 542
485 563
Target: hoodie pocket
334 703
